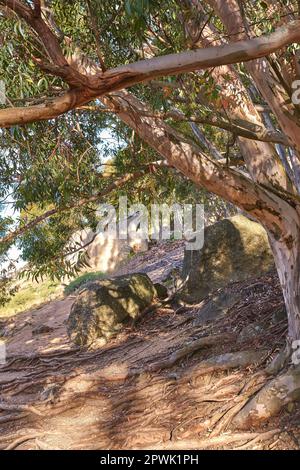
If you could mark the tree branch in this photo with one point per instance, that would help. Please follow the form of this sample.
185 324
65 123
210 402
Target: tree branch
51 43
247 131
94 83
96 34
48 110
82 202
265 204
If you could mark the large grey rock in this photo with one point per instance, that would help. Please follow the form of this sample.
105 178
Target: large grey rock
103 307
217 306
234 249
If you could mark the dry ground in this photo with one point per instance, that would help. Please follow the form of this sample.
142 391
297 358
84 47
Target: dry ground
161 384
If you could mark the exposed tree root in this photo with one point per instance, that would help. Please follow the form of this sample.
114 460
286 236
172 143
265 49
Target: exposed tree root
280 361
170 380
231 360
222 424
191 348
121 372
16 407
259 438
219 441
269 401
22 439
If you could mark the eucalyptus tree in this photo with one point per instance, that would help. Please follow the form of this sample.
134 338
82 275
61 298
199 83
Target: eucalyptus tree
159 74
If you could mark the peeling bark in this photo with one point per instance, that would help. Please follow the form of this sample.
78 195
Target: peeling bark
269 87
261 158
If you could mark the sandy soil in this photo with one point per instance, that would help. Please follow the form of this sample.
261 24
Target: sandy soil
152 385
23 329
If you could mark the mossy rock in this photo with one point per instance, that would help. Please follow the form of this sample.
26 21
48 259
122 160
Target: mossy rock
234 249
103 307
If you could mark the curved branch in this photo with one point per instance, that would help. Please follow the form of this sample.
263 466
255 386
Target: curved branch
259 134
48 110
189 61
242 129
264 203
90 82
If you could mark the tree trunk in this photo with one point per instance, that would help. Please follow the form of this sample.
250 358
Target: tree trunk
261 158
265 80
270 400
287 258
279 216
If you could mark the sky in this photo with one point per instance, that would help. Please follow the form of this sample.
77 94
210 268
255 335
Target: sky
14 252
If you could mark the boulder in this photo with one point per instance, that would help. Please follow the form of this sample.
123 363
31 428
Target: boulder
234 249
103 307
218 304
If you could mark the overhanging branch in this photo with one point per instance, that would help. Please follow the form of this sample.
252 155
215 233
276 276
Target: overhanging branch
93 82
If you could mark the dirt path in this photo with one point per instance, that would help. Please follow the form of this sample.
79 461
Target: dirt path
43 330
173 382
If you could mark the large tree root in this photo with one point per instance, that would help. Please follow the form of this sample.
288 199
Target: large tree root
219 441
85 383
268 402
22 439
121 372
231 361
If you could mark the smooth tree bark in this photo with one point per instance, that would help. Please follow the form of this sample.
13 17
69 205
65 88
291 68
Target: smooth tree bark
266 81
261 158
270 400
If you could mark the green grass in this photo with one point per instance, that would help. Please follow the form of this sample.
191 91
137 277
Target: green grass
33 294
30 295
81 280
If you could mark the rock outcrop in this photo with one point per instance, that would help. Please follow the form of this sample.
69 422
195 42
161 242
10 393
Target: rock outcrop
105 252
103 307
234 249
